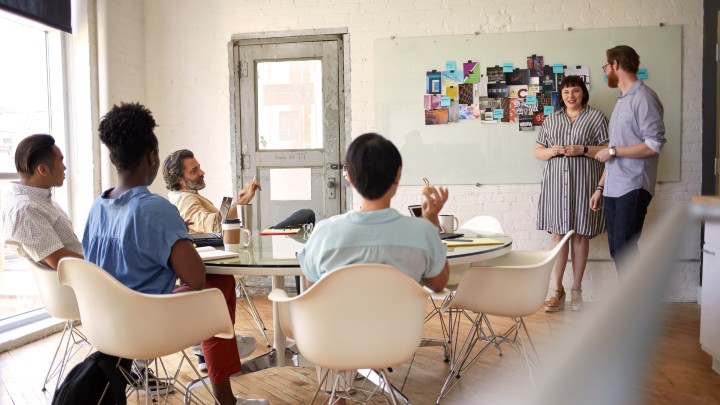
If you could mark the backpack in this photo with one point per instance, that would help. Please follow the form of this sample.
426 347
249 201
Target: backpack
87 381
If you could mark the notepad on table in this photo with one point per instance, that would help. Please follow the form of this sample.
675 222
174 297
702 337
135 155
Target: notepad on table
289 231
209 253
472 242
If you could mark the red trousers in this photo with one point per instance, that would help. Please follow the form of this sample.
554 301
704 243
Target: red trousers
221 355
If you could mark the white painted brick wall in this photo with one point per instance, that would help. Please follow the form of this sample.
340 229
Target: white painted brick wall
187 89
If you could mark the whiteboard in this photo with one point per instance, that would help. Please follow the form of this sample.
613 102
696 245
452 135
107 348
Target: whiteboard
470 152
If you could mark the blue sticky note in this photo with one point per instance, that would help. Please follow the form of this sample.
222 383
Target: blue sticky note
507 67
604 78
548 110
498 113
558 68
445 101
642 73
531 99
450 65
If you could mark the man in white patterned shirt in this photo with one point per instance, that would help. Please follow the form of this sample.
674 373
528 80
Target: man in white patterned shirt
32 222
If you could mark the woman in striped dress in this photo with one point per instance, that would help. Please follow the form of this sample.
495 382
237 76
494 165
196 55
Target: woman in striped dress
568 140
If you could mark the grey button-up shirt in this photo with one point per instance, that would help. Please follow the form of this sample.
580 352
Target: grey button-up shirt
637 118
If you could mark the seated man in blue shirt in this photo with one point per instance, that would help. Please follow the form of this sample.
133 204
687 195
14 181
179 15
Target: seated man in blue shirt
377 233
140 238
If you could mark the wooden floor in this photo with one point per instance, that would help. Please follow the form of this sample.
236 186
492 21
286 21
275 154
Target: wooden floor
678 374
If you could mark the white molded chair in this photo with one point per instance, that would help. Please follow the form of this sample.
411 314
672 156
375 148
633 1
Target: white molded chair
484 224
513 286
121 322
362 316
59 302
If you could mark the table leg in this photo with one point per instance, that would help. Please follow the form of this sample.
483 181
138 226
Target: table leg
278 335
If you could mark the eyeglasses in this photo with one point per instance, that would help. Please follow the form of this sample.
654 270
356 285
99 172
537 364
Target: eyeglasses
604 68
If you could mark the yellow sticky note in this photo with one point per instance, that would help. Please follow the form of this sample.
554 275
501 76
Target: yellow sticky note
452 92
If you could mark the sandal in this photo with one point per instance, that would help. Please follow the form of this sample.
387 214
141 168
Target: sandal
556 304
576 301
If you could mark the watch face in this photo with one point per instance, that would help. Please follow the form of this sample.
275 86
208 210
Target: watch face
612 151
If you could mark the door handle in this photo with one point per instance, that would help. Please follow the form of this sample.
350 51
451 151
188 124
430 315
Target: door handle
710 252
331 183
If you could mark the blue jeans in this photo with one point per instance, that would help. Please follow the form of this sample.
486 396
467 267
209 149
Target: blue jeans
624 217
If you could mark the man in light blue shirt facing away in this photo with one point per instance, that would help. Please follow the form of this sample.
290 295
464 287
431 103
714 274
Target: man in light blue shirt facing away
377 233
637 136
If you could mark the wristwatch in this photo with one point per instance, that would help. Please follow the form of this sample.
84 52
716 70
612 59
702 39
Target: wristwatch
612 151
585 149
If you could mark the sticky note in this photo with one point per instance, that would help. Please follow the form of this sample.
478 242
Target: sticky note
642 73
558 68
450 65
452 92
445 101
531 99
498 113
507 67
548 110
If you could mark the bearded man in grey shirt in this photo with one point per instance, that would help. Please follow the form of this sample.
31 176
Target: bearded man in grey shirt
637 135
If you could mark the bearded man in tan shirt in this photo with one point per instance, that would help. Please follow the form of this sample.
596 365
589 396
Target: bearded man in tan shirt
184 178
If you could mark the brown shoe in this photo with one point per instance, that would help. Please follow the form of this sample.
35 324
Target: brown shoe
556 304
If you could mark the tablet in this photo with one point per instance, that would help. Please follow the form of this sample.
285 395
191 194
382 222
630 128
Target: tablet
415 210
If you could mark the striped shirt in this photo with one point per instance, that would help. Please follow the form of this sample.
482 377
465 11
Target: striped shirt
568 182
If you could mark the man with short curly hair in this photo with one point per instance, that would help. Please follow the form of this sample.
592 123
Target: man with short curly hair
184 178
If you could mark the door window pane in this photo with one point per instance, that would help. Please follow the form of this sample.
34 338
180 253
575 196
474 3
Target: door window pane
289 105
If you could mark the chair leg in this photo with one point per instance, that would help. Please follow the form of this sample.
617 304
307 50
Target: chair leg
320 384
71 338
387 383
195 383
253 311
525 354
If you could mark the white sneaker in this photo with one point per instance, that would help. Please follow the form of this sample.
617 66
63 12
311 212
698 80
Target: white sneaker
246 401
246 346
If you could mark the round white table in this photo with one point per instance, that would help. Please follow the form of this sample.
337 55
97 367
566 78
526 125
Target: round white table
275 256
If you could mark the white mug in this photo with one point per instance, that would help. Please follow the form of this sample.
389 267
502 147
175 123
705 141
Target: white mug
235 236
448 223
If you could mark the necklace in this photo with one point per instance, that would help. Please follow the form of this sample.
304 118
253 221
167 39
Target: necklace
573 116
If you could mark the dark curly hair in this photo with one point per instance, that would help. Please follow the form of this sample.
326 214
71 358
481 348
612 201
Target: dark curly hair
127 131
174 167
372 163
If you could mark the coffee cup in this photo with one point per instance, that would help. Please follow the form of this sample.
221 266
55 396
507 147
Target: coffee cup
235 237
448 223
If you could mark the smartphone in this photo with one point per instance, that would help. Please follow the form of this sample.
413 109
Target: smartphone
225 206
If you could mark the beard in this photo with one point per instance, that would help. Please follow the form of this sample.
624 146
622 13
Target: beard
612 81
195 185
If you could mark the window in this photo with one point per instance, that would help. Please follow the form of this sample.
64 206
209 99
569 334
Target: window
289 100
31 101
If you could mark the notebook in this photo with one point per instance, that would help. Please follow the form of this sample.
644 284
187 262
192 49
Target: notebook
473 242
209 253
416 211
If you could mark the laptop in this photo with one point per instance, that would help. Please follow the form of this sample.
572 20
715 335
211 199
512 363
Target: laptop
207 239
416 211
